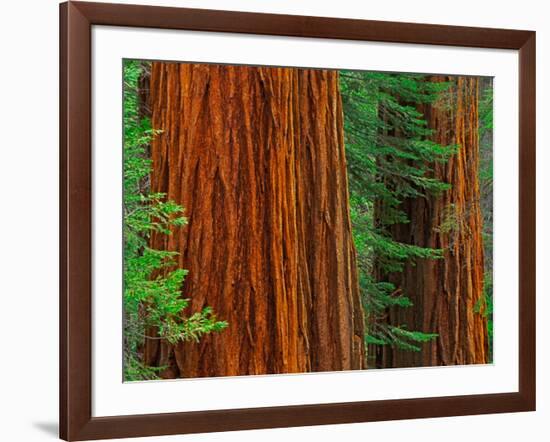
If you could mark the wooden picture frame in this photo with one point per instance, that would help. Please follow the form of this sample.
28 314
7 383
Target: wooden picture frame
76 21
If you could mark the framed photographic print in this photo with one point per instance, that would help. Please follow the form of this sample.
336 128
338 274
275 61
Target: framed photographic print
272 220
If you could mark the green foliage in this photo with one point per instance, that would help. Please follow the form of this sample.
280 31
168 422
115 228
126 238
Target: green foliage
135 370
486 109
389 159
400 337
485 306
486 139
152 282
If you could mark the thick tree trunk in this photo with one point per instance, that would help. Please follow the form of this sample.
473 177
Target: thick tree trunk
256 157
445 292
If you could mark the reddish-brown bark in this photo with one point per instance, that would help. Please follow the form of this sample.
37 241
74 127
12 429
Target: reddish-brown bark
256 156
446 292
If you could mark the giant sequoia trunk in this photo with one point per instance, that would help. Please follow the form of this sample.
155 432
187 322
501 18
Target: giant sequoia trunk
446 293
256 157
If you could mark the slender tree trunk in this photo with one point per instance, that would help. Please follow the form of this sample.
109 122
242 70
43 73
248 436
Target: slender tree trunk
256 157
447 292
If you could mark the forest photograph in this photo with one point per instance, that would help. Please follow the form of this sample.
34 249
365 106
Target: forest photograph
282 220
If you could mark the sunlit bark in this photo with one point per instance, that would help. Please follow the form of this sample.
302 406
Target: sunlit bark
256 157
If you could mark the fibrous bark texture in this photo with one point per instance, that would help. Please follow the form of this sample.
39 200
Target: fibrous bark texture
447 294
256 157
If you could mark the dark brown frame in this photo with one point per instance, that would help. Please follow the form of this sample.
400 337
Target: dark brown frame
76 421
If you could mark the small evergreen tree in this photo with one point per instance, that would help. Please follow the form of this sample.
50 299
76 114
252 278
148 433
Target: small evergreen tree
388 156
